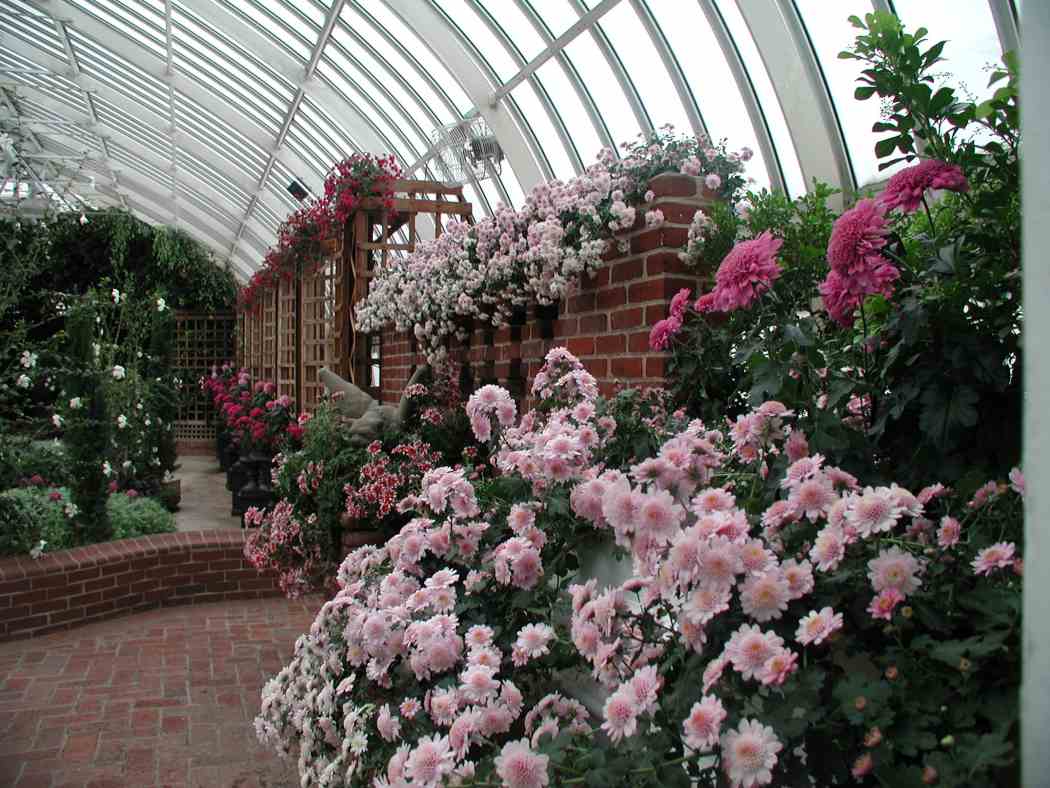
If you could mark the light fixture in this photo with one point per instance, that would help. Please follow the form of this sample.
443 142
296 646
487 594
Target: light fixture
297 190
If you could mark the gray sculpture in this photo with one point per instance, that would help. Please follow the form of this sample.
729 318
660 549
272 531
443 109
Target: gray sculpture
368 419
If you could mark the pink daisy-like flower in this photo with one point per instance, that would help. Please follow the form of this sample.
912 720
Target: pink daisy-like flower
519 767
750 753
713 672
621 715
857 239
998 556
829 548
747 271
765 595
817 626
799 577
894 568
680 303
778 667
703 726
813 497
1017 481
409 708
707 602
712 499
430 761
949 532
862 766
884 603
749 648
534 640
874 511
663 332
719 562
645 686
388 725
906 188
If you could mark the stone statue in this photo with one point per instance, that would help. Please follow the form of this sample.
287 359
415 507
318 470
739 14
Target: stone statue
368 418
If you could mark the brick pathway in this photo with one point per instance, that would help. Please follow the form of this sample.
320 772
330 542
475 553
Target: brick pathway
164 698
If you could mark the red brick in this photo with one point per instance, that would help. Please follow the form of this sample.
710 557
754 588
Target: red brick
663 263
674 185
627 368
659 237
638 342
581 346
611 343
566 326
598 367
594 324
627 318
649 290
655 366
654 313
627 270
677 212
50 606
584 302
612 297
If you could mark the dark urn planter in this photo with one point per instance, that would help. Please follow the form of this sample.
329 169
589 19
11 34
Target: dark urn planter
256 491
546 314
222 440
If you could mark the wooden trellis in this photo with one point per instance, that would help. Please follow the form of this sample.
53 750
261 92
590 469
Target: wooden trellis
201 341
305 323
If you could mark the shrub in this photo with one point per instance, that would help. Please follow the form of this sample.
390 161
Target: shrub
33 519
21 459
137 516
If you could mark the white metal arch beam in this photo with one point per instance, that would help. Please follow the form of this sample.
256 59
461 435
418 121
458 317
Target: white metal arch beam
795 75
154 65
422 17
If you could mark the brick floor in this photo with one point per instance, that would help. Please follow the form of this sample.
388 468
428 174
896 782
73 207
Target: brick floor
164 698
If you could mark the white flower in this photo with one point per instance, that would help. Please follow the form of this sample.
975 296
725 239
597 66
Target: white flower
75 403
116 295
95 346
83 219
28 359
23 382
138 354
119 372
358 743
138 406
107 468
148 422
122 421
161 304
71 510
37 551
56 420
126 464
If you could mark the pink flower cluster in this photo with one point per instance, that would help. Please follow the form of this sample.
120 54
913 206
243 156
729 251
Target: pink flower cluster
667 329
858 266
906 188
748 270
488 402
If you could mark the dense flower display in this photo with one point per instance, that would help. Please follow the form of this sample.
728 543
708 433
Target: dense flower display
537 253
447 655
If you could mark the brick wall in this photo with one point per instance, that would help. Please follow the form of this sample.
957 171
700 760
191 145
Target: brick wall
67 588
605 323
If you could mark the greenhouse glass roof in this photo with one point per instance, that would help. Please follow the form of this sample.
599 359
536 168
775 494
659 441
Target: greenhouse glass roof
199 113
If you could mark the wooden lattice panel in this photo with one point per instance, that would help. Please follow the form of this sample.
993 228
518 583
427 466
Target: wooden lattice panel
257 349
316 346
287 344
268 364
201 342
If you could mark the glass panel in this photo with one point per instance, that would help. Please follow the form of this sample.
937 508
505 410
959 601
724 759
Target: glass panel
632 44
540 123
479 38
516 25
283 35
412 42
33 26
605 89
710 78
767 97
112 15
558 15
573 113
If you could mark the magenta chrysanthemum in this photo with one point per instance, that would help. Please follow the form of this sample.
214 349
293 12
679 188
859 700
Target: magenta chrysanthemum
747 271
905 189
663 332
858 267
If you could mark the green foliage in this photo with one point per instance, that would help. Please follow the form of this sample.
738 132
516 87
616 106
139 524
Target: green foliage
22 458
137 516
28 517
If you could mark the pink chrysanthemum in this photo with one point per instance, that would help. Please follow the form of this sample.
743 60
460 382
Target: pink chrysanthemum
948 533
799 577
663 332
778 667
894 568
430 761
1017 481
998 556
817 626
765 595
874 511
749 648
750 753
706 602
857 239
621 715
905 189
704 723
747 271
829 548
884 603
519 767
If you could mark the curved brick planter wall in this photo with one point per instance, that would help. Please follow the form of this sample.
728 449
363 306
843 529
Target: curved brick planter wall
71 587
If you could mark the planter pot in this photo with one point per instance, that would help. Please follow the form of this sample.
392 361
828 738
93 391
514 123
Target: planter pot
256 491
222 440
546 314
170 494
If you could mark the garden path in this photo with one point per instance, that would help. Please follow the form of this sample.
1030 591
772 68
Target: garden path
164 698
205 499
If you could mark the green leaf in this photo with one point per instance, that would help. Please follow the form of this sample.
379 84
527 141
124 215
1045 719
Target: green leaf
945 410
797 335
885 147
863 93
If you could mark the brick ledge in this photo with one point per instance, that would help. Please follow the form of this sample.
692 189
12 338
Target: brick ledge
68 588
